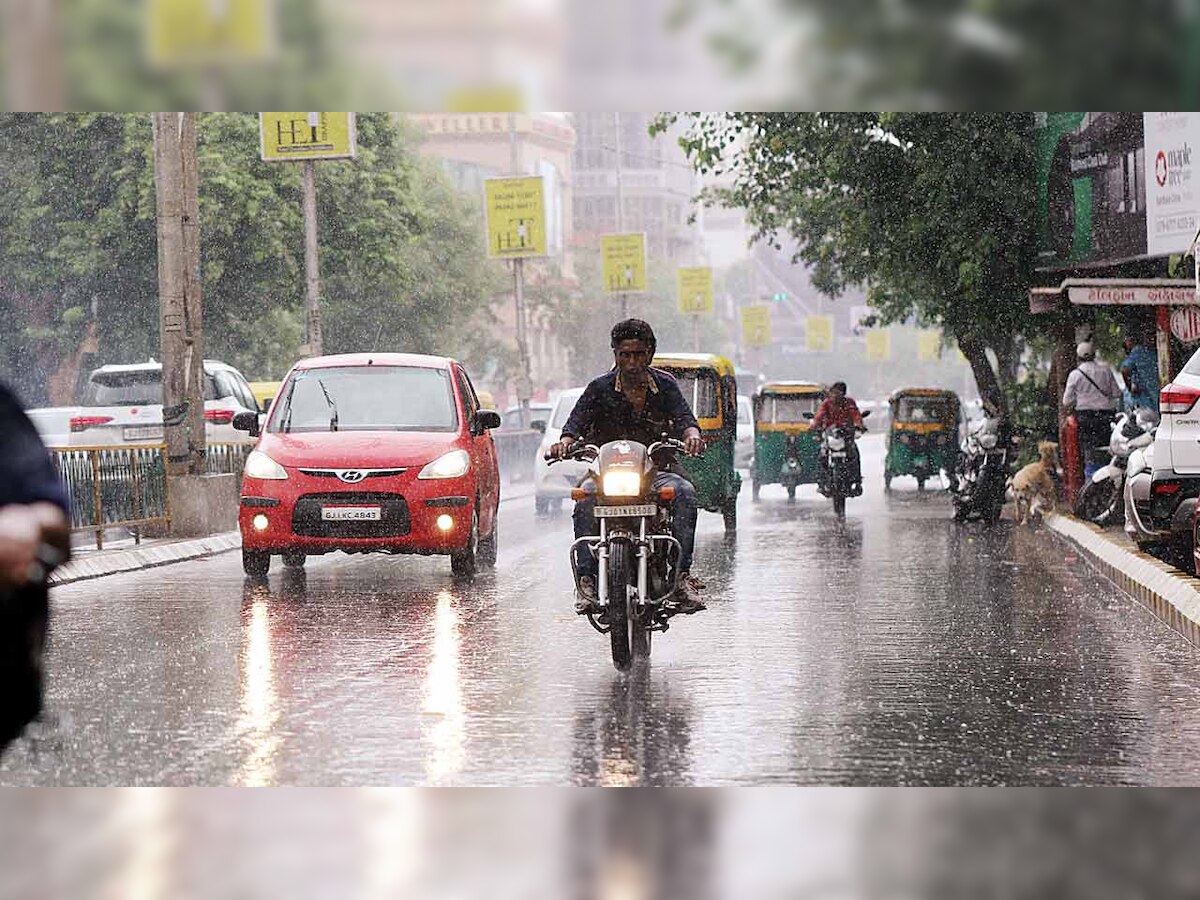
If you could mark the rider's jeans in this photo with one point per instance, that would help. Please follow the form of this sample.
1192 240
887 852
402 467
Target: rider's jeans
683 519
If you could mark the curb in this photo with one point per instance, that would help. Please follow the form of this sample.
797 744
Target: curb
1171 596
145 557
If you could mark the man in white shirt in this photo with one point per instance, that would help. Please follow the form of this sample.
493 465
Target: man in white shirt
1093 394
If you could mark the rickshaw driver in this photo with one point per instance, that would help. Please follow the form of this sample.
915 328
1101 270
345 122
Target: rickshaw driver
838 409
635 402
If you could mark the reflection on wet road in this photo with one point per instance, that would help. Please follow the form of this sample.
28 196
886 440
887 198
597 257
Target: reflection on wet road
908 650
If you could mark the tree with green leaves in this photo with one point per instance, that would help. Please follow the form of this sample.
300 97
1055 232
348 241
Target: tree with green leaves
402 254
933 213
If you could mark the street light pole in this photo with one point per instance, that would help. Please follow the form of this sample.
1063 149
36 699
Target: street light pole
312 268
524 382
620 203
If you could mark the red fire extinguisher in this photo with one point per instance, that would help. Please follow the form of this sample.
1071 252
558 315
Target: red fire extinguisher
1068 441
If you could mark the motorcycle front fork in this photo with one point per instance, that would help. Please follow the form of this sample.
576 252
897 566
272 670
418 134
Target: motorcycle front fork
645 545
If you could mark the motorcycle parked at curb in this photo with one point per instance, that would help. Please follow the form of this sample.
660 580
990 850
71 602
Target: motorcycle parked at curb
981 480
835 472
1102 499
638 554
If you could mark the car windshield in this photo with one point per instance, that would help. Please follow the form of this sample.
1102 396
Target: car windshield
700 391
139 387
783 408
922 409
366 398
562 412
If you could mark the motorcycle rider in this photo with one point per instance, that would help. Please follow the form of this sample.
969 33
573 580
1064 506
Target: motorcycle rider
639 403
837 410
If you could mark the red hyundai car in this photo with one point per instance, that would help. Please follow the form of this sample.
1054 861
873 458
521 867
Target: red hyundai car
371 452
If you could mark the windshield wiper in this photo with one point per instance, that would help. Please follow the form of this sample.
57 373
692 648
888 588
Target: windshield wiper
333 420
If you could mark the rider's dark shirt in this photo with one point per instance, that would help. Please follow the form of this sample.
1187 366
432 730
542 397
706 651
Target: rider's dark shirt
603 413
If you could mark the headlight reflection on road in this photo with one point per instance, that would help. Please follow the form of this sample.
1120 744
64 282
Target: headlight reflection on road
443 695
260 705
145 815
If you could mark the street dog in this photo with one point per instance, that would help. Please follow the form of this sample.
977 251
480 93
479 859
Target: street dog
1033 487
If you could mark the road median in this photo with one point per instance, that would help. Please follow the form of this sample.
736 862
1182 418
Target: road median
1172 596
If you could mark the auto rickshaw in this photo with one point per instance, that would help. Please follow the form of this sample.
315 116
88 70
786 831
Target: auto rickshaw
708 384
785 450
923 439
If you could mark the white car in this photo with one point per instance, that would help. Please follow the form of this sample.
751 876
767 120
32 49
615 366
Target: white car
53 423
552 483
743 450
122 404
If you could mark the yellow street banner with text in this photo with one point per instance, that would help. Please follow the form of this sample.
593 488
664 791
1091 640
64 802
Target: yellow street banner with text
879 345
695 290
291 136
624 258
194 33
929 346
819 334
756 326
516 217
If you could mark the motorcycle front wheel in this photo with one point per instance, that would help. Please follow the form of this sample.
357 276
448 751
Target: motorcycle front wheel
619 623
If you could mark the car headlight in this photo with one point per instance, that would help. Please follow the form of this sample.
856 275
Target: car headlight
622 483
259 465
454 464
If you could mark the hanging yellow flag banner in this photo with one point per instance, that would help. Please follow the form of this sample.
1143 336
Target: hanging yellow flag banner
929 346
756 326
879 345
695 290
291 136
624 259
819 334
516 217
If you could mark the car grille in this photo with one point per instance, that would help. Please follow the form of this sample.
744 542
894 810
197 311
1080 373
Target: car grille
394 518
366 473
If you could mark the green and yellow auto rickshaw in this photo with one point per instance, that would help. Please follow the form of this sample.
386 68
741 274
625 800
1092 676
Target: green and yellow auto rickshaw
924 435
708 384
785 450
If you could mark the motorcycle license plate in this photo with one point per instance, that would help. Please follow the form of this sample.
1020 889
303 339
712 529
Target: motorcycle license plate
838 454
615 512
351 513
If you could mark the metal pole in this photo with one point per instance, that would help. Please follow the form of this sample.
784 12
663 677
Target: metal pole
312 270
523 382
620 202
33 44
696 332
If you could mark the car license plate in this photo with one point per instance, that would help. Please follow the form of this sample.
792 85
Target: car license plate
351 513
142 432
612 512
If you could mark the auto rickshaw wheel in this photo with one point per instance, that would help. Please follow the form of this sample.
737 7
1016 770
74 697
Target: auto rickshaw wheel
920 482
729 513
887 483
791 489
754 491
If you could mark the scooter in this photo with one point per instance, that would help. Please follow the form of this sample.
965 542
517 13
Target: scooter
1102 499
979 485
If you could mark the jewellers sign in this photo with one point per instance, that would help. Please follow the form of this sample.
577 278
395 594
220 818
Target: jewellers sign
1133 295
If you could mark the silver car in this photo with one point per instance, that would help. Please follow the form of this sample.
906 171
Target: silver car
552 485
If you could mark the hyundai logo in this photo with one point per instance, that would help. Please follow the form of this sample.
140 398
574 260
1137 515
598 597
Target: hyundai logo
352 476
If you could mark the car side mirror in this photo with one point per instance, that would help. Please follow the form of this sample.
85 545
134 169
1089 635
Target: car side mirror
867 413
809 416
248 422
487 419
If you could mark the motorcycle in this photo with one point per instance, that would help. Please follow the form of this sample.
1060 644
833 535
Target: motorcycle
981 477
638 554
1102 499
835 469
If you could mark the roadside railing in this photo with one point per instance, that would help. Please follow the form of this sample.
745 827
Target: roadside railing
125 486
516 452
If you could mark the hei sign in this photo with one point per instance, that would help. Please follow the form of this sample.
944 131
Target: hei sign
1172 181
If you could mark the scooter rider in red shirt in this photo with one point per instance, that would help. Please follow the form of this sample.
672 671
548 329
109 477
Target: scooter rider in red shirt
838 409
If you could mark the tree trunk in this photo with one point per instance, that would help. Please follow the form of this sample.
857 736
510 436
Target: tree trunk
1008 359
985 376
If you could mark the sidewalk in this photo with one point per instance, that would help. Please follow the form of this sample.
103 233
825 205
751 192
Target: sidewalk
127 556
1169 594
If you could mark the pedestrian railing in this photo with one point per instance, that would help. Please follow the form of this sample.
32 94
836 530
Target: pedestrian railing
125 486
516 452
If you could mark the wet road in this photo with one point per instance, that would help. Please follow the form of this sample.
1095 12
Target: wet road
908 650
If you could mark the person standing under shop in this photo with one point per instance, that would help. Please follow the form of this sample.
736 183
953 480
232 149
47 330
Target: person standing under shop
1092 395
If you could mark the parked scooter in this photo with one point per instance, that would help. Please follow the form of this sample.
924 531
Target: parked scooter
1102 499
981 481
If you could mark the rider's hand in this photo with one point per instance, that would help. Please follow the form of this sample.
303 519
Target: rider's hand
694 445
559 449
23 529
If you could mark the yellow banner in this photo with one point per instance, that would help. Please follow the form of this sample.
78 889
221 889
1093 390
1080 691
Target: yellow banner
695 290
194 33
929 346
291 136
879 345
624 262
819 334
516 217
756 326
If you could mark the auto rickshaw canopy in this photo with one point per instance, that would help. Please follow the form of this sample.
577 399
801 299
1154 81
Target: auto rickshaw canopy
706 399
782 405
924 409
